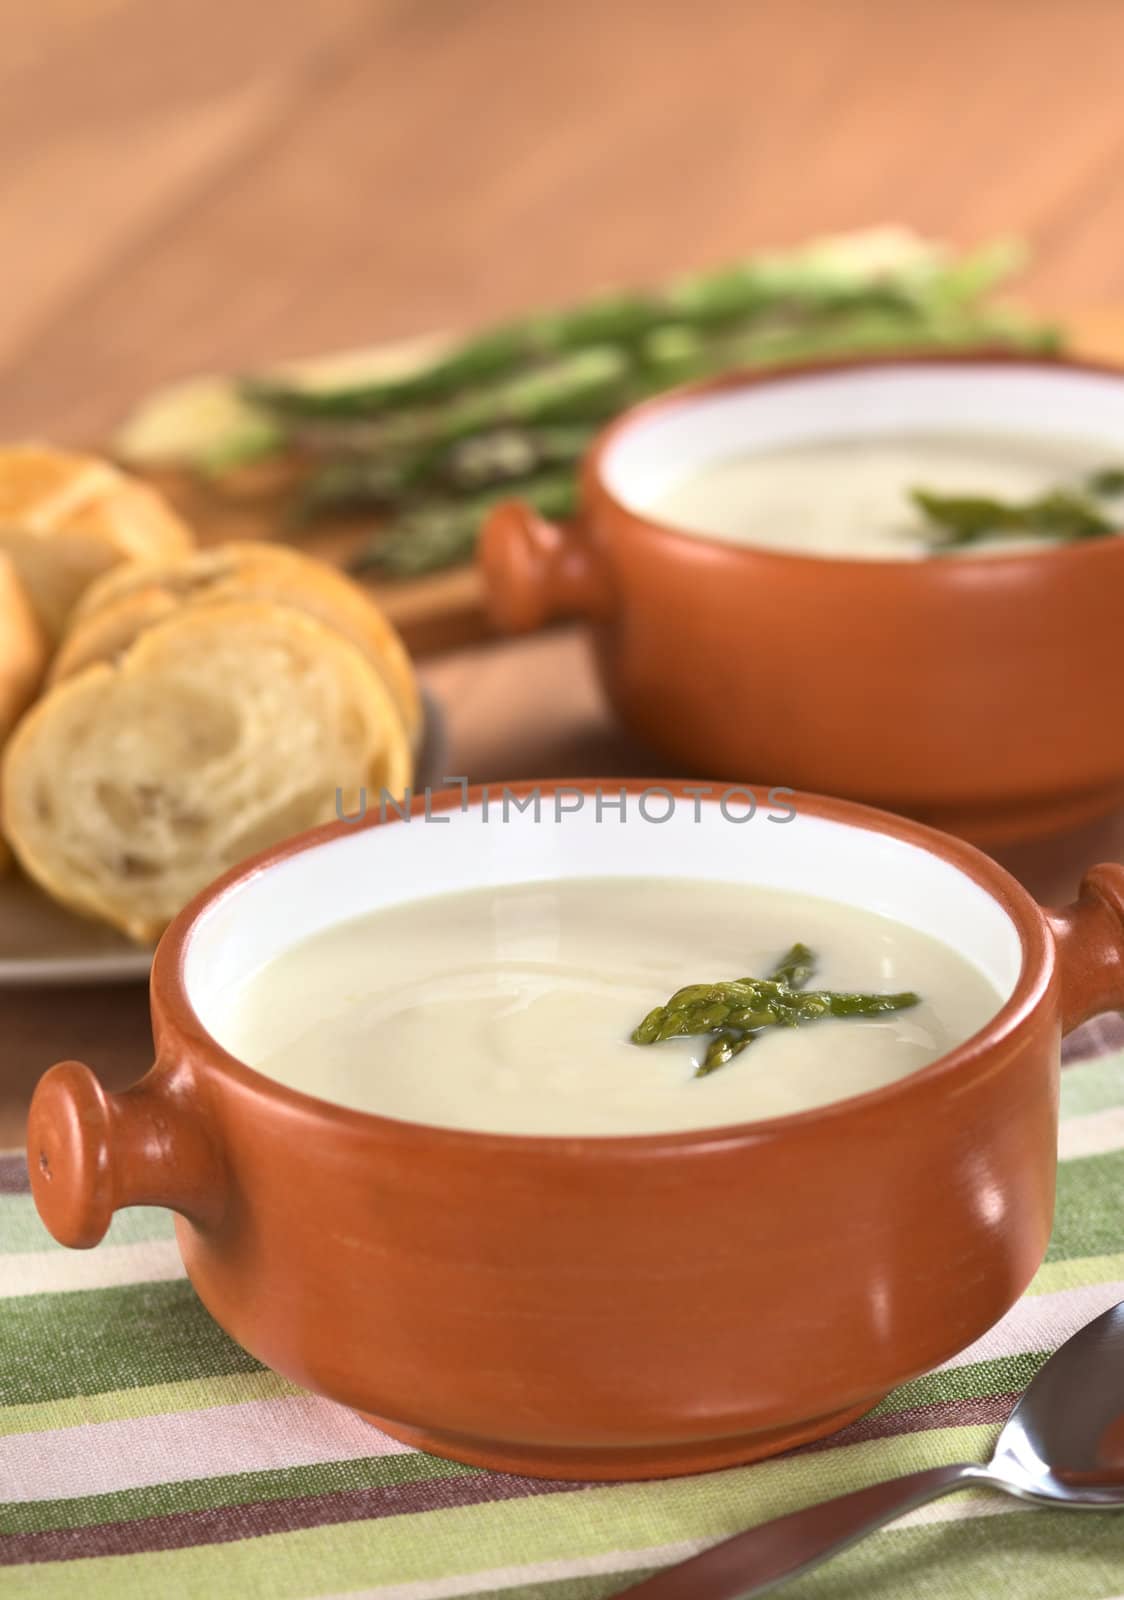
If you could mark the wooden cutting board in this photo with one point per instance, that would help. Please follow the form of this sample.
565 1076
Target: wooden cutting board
446 610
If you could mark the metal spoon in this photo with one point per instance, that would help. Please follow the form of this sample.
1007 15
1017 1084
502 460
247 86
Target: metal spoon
1062 1445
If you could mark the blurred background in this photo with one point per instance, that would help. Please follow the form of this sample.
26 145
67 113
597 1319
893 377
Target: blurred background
212 184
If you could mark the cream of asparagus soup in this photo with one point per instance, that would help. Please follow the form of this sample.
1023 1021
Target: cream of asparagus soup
606 1006
905 495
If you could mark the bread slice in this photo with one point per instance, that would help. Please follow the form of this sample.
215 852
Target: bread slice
23 650
65 519
132 597
220 731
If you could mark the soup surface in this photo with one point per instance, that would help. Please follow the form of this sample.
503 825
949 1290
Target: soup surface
509 1009
851 497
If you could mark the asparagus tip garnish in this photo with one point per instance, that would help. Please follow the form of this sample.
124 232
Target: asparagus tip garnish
734 1012
1062 513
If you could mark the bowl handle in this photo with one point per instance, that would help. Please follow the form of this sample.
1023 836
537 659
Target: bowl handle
90 1153
535 570
1089 935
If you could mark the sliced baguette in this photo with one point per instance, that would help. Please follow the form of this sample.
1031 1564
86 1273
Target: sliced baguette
132 597
221 730
66 519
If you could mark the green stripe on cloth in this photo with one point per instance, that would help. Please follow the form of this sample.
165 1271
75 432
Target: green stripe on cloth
1093 1086
146 1400
1054 1276
146 1333
21 1230
1089 1212
1007 1375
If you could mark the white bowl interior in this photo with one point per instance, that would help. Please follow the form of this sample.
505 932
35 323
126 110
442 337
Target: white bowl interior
650 457
371 868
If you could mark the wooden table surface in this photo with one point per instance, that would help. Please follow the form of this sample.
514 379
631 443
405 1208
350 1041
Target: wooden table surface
199 185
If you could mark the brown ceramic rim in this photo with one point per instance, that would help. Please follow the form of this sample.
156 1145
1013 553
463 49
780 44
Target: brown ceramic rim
1038 965
597 497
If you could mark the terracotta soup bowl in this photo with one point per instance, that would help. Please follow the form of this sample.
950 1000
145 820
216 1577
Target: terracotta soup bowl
979 693
598 1307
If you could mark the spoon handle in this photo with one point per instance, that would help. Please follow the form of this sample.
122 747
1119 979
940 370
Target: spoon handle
751 1562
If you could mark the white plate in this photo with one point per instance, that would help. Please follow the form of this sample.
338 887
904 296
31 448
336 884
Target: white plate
42 943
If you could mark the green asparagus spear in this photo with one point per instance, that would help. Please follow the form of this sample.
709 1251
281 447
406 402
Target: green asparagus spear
965 519
498 353
722 1049
736 1011
1061 513
441 534
503 457
756 1002
481 358
349 484
510 455
1106 483
585 386
795 967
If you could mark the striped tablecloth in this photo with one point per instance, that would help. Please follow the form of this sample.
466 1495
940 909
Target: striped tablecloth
144 1455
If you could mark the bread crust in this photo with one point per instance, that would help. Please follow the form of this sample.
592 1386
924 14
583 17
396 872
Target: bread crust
65 519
